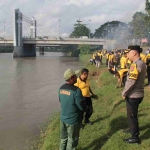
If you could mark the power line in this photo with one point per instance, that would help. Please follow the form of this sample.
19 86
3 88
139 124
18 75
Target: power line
46 31
26 28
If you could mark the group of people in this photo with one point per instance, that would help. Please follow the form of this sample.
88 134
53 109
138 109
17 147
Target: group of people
75 94
118 63
76 107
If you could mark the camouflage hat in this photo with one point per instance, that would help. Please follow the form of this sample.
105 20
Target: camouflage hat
68 73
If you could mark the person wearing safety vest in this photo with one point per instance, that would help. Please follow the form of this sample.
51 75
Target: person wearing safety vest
123 61
121 74
143 57
84 84
100 55
148 67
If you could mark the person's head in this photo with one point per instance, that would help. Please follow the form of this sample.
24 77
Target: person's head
70 76
84 74
125 54
134 52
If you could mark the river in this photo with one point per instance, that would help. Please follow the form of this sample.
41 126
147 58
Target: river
28 95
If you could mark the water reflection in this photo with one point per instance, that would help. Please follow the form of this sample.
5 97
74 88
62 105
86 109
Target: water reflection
28 95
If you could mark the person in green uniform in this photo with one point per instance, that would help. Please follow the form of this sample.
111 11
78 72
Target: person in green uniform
71 100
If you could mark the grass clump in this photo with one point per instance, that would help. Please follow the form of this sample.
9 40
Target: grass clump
109 118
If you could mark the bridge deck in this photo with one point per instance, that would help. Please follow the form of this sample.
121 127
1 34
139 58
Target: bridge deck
61 41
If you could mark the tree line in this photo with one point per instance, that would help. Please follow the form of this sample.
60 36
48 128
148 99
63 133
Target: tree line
137 29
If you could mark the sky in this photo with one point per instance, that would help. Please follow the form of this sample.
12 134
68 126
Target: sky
52 13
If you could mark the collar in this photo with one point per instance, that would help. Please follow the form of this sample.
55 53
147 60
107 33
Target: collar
137 60
82 80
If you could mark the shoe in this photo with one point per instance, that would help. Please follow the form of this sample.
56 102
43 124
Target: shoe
126 131
88 122
132 140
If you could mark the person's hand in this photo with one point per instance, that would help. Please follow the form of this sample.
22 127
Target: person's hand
94 96
123 97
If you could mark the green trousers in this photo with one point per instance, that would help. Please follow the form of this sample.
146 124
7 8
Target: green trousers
69 136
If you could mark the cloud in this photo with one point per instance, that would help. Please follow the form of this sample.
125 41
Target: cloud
48 12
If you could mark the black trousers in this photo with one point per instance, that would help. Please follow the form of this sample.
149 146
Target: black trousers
106 62
101 61
89 110
148 74
132 105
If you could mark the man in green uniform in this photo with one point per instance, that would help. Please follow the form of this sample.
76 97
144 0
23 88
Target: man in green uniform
133 92
71 101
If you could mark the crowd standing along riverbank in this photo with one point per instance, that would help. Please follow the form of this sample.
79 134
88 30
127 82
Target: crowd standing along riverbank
109 117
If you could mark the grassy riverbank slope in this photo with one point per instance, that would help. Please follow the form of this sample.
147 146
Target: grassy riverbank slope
109 118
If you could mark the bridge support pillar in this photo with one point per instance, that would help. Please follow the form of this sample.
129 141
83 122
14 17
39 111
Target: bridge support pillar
20 49
27 50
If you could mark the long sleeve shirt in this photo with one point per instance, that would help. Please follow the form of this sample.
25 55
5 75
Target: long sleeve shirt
134 87
71 100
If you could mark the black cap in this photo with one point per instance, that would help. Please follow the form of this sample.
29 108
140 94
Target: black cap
135 47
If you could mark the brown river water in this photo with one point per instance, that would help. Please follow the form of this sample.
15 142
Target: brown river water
28 95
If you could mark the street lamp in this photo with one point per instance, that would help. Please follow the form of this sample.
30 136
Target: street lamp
108 30
89 28
59 28
4 32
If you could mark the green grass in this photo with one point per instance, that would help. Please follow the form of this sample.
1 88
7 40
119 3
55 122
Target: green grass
109 118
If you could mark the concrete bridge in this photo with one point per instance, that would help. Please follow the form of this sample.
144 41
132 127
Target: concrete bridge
62 41
26 47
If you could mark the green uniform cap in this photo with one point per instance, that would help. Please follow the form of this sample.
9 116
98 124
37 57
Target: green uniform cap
68 73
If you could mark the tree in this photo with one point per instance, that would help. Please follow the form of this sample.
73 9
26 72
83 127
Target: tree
109 30
147 7
84 49
80 30
139 25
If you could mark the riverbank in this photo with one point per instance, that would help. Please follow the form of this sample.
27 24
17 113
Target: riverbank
109 118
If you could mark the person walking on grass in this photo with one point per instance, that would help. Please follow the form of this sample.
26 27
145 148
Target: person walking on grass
84 85
97 60
71 100
133 92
